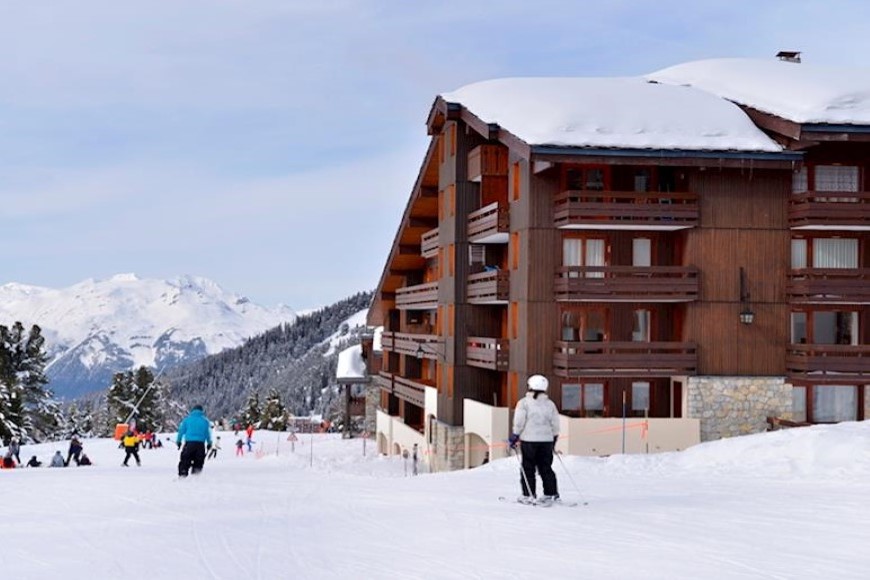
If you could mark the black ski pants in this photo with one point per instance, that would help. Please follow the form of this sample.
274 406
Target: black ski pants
538 456
192 458
131 452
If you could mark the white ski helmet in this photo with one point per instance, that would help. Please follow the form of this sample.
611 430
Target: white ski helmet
538 383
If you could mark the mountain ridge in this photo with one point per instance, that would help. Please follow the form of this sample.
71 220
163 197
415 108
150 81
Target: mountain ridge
101 326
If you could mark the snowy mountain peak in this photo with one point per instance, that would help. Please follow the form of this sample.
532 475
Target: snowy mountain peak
98 327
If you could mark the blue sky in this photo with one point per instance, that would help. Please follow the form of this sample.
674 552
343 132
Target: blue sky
271 145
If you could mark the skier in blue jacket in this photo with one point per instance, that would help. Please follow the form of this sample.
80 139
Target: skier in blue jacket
195 430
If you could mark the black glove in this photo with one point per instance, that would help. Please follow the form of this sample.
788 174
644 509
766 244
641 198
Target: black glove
178 444
555 438
208 447
513 440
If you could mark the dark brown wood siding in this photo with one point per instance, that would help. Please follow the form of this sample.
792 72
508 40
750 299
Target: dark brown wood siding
743 224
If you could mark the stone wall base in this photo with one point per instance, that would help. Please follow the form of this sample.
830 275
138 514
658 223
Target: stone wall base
447 450
731 406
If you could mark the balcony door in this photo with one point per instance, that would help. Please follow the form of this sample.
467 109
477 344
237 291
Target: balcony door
584 252
825 327
824 253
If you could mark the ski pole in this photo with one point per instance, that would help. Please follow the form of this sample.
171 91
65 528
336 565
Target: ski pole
523 473
571 478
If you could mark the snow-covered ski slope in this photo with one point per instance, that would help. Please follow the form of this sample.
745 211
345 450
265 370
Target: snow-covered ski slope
784 505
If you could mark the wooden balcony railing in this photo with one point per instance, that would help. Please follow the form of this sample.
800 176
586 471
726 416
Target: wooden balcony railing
418 297
621 283
625 210
407 344
624 359
429 244
828 363
384 380
488 353
411 390
491 287
490 224
826 209
829 285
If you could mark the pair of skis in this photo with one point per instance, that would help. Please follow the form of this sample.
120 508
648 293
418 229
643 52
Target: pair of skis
539 503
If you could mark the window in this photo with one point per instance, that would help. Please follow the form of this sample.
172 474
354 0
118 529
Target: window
835 327
514 250
799 404
639 398
516 180
825 327
451 190
641 252
832 253
583 399
589 179
515 320
580 252
798 327
835 403
585 325
640 332
836 178
799 181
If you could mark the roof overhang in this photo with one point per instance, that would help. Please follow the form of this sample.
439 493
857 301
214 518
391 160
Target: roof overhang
673 157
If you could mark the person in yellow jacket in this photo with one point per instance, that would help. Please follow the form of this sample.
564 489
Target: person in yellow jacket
130 443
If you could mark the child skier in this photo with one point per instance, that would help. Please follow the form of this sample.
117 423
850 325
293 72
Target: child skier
536 428
130 443
240 448
217 447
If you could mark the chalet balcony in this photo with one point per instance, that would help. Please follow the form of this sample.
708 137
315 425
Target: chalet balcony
624 359
614 210
488 353
490 224
411 390
408 344
417 297
829 286
821 210
384 380
490 287
828 363
627 284
429 244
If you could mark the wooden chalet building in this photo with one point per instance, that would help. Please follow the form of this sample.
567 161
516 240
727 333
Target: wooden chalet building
688 250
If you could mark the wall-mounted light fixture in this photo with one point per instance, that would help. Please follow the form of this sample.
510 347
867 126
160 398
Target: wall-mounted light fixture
746 314
423 348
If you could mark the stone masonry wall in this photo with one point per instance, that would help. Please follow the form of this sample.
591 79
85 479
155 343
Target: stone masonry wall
730 406
373 400
447 452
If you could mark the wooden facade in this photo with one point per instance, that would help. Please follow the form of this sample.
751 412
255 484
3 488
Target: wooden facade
617 276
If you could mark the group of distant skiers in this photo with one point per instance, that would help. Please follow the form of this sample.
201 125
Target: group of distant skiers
194 442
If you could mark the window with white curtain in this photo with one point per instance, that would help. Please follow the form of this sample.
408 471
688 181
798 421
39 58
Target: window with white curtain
641 252
798 327
827 253
833 403
799 181
836 178
639 397
799 404
595 257
799 253
583 252
640 331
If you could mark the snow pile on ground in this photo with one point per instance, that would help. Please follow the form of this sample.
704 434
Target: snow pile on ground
790 504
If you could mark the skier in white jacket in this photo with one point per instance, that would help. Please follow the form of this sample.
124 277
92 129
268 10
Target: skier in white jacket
536 428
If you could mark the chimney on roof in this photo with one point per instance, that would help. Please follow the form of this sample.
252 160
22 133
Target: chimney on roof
789 55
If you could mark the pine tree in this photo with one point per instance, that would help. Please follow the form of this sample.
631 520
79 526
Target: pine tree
251 412
135 396
28 409
274 416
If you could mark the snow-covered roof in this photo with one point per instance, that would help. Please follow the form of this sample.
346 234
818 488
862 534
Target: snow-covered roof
803 93
377 342
351 364
623 112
